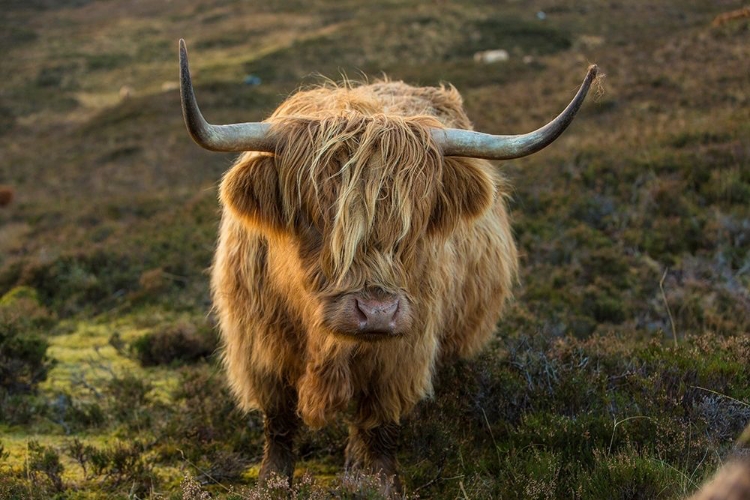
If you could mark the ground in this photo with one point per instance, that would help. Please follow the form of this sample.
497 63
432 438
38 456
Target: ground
619 371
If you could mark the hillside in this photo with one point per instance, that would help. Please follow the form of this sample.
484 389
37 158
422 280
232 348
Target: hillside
621 369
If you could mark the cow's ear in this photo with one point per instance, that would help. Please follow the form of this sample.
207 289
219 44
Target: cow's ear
251 191
468 189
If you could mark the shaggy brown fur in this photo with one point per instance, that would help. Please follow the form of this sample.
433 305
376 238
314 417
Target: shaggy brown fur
732 482
6 195
357 199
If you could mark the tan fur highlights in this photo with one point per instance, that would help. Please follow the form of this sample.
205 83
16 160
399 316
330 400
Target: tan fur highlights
357 205
370 181
731 482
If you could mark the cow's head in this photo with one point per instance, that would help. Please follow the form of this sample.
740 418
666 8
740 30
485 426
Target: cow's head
363 197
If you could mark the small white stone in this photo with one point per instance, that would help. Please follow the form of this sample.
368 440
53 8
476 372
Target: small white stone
492 56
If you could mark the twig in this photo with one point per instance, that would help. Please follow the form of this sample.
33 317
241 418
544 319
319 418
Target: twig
722 395
434 479
695 471
80 379
463 490
684 476
669 311
612 440
497 450
203 471
28 470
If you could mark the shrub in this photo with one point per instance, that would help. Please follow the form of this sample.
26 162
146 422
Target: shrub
23 360
82 282
350 485
180 343
207 418
81 453
128 401
44 464
222 466
21 409
118 466
75 415
544 417
23 351
629 475
17 488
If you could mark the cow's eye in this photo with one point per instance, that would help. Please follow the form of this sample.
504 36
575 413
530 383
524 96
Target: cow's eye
310 240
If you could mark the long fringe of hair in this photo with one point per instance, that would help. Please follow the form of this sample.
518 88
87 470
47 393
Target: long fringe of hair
371 181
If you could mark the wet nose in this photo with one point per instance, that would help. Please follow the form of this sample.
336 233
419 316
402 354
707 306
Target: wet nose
378 315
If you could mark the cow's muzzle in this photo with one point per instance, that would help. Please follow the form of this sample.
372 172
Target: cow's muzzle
370 315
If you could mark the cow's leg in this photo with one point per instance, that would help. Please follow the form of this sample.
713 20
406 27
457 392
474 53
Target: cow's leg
280 428
373 450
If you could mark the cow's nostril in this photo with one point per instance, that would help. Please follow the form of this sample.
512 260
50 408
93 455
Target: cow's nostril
378 315
361 314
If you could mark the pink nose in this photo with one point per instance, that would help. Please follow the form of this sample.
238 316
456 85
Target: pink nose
377 315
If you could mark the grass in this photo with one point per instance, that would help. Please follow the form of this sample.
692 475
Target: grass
620 370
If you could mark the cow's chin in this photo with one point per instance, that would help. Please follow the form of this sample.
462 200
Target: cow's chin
367 337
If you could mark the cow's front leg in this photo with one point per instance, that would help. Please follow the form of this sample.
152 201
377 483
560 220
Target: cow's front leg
280 428
373 450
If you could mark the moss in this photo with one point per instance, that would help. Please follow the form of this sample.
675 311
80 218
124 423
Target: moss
19 293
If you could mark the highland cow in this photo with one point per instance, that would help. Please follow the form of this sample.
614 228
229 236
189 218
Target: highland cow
364 239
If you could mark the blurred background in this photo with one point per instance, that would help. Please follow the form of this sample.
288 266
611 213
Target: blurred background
621 370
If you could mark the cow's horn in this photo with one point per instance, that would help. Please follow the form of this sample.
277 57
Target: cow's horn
457 142
233 137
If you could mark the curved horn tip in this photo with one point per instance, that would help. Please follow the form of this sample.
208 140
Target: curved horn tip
592 73
183 50
457 142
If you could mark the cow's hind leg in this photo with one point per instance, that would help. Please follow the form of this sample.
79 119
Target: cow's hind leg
280 428
373 450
